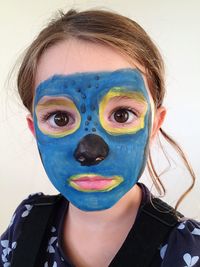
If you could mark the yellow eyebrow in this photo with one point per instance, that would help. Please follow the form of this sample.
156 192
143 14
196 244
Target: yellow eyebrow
118 95
53 102
119 98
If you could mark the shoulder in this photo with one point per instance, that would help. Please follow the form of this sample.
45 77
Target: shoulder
183 245
8 240
23 210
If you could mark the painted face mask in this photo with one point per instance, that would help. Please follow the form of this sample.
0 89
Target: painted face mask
92 131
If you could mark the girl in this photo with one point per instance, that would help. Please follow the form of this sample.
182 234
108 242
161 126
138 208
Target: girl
93 84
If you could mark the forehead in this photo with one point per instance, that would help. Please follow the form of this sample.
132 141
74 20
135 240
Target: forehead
75 56
92 86
72 56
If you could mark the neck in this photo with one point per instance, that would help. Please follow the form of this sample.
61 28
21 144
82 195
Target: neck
93 238
127 206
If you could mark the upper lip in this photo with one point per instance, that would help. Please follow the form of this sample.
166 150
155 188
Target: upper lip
91 178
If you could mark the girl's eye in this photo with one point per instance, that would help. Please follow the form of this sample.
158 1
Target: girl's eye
59 119
123 115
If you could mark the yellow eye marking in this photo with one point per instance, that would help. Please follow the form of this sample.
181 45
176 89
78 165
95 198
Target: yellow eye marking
53 104
113 94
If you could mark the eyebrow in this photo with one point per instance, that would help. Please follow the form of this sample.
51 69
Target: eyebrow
119 98
53 102
125 97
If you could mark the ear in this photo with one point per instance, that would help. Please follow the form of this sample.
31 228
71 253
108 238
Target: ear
30 123
158 121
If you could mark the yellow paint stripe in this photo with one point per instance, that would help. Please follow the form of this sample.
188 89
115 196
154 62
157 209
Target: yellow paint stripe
115 92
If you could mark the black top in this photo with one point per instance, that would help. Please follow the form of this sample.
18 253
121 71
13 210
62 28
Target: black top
182 248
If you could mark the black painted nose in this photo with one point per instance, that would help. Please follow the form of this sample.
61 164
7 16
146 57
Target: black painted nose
91 150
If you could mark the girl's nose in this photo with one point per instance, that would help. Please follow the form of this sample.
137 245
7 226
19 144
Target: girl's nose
91 150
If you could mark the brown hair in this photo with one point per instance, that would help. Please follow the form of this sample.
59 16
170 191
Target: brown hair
113 30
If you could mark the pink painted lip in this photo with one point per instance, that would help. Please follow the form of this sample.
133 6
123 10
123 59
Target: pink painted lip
93 182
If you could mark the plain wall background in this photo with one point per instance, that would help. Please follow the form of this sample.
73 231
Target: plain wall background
173 25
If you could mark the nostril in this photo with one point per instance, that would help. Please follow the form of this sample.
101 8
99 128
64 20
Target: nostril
81 159
99 158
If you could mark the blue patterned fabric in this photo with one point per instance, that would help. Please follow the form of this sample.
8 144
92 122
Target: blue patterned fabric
181 249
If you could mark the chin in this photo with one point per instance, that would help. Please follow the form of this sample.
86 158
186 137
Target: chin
95 203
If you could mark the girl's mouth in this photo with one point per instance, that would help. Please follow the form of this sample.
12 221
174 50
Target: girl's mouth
94 182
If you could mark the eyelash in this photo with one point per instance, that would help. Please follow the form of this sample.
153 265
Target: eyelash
135 112
49 114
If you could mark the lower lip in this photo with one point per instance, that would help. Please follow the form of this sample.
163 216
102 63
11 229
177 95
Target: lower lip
94 183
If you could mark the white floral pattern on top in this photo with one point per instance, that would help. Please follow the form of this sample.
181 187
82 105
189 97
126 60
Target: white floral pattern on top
54 264
53 229
183 246
12 220
6 251
189 260
27 211
163 251
181 226
196 231
50 247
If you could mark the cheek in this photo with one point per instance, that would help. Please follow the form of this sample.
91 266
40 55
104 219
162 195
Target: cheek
129 150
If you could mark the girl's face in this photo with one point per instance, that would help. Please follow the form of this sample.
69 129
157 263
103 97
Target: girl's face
93 119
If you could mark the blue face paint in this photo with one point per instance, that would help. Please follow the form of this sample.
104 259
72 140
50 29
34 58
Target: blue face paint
93 146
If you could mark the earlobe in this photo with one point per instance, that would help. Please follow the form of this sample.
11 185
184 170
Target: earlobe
158 121
30 123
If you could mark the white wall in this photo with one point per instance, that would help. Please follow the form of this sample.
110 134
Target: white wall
175 27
